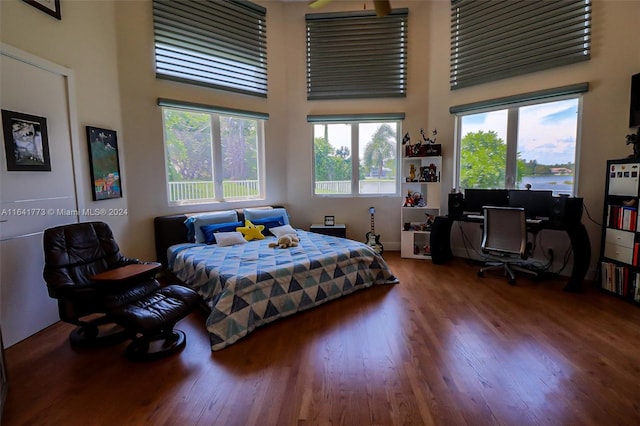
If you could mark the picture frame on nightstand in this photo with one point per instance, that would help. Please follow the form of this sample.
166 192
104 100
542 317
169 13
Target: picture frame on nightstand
329 220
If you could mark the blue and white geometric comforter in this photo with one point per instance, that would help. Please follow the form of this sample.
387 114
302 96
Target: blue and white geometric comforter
249 285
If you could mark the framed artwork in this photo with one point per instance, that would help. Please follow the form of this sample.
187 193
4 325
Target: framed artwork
26 142
104 163
52 7
329 220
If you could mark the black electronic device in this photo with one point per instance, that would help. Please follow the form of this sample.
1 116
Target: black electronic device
456 204
475 199
536 204
566 211
634 108
440 240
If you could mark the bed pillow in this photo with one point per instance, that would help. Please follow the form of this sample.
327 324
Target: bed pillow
195 222
269 222
250 231
254 214
225 239
210 231
279 231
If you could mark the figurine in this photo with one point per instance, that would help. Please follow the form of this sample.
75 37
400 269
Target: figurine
635 140
412 173
426 139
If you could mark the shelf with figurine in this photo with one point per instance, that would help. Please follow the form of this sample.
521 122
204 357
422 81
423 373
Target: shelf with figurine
426 147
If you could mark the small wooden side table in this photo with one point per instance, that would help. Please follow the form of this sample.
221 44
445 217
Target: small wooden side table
128 271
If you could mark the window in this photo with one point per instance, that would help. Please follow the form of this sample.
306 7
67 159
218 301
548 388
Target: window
356 55
515 144
219 44
492 40
373 171
212 154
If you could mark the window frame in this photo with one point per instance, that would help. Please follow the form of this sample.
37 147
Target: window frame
215 114
354 121
512 106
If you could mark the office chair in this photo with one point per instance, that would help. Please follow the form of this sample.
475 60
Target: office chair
504 240
111 297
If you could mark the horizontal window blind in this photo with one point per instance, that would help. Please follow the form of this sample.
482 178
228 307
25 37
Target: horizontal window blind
171 103
496 39
219 44
538 96
356 55
361 118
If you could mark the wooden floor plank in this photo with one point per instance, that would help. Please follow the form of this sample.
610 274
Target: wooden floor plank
443 347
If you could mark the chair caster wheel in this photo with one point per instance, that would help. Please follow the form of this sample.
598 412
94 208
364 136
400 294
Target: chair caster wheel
480 274
512 281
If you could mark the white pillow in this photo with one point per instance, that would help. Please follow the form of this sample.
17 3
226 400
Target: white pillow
279 231
225 239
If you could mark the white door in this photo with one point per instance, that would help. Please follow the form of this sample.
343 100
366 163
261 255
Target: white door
31 201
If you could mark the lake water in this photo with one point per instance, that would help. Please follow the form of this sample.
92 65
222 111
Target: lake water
557 184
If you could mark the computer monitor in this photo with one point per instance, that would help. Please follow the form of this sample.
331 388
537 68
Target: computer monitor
536 204
475 199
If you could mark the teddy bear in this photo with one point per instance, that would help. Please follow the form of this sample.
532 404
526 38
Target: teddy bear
285 241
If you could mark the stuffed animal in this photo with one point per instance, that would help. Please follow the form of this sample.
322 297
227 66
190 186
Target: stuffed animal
286 241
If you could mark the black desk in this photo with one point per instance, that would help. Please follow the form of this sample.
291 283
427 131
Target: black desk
575 229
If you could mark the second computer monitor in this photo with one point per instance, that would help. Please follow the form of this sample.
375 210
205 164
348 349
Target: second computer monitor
536 204
475 199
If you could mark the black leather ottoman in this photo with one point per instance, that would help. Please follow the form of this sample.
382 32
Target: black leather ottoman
151 320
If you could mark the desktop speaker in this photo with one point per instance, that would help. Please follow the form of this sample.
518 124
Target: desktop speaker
456 204
566 210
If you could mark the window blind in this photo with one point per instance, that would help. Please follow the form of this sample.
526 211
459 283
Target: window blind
219 44
171 103
538 96
361 118
496 39
356 55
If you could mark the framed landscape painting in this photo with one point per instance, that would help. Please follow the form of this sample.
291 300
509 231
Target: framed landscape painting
104 162
26 142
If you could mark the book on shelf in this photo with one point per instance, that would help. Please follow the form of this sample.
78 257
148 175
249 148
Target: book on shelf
622 217
621 280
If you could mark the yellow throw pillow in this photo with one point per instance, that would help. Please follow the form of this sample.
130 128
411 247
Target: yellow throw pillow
251 231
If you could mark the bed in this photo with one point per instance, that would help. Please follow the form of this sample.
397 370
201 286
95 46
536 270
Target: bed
245 286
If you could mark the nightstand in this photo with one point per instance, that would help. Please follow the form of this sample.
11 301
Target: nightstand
337 230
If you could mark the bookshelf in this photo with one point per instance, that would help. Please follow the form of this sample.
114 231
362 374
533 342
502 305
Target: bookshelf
620 248
421 175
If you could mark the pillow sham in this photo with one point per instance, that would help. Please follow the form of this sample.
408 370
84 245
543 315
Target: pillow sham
253 214
193 223
225 239
269 222
279 231
210 231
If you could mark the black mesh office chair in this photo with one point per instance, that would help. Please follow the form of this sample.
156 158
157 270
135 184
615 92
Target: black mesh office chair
505 241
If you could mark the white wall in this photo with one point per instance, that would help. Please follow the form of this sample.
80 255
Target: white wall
83 41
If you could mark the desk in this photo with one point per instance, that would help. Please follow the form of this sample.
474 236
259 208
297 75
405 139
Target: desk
441 243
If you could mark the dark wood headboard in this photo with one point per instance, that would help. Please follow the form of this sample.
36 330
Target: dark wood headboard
170 230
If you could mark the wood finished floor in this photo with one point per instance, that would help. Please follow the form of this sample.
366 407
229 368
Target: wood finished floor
443 347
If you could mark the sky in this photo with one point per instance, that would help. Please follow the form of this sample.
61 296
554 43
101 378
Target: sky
547 132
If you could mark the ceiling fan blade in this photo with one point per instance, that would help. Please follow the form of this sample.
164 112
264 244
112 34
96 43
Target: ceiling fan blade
317 4
383 7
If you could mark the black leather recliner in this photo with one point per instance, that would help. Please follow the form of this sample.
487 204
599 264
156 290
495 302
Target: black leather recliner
109 300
